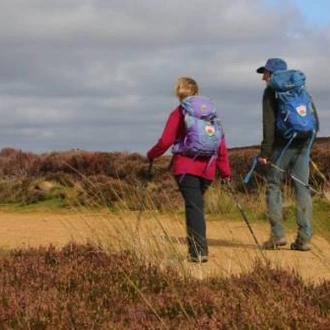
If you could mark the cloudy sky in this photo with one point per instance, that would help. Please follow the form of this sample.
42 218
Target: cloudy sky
99 74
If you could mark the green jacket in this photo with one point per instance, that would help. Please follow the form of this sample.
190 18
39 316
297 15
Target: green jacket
271 139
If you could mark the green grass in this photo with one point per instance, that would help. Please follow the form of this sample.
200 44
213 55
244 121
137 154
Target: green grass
321 221
50 205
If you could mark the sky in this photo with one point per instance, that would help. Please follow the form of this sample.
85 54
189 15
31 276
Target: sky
99 74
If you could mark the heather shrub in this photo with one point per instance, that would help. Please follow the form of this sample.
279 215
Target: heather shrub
121 178
16 163
106 163
10 190
53 162
19 190
83 287
61 178
101 190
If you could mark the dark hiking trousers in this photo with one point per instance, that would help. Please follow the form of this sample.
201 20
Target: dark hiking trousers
192 189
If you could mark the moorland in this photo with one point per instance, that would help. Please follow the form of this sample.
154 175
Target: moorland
94 240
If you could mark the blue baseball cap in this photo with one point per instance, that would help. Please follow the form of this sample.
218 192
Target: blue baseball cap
273 65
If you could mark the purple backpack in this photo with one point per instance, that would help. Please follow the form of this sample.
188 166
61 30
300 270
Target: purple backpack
203 129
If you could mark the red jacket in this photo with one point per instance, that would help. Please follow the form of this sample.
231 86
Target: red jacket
174 130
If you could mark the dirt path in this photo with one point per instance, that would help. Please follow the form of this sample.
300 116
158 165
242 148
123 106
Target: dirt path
232 248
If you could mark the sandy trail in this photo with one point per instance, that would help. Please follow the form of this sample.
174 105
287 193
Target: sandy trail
231 246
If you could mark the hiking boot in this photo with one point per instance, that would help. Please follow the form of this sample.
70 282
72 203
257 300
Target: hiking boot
273 244
299 246
200 259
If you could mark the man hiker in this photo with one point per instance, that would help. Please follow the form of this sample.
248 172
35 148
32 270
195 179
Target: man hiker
295 159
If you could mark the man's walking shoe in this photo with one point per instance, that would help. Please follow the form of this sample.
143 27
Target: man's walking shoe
273 244
199 259
298 246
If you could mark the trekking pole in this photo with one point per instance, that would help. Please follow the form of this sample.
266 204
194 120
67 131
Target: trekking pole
230 189
254 164
305 184
144 194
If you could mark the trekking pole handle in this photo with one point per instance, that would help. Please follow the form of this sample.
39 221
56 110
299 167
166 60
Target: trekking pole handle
253 166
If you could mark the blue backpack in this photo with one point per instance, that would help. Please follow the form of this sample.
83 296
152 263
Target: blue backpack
295 117
203 129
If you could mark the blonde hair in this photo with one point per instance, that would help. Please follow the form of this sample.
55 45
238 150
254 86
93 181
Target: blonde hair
185 87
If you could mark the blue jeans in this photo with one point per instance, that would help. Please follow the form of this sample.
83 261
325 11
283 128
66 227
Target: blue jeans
192 189
296 160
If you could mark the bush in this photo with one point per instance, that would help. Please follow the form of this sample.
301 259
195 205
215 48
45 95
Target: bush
82 287
108 176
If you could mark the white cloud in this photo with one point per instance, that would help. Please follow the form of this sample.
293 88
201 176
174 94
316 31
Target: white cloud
100 74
